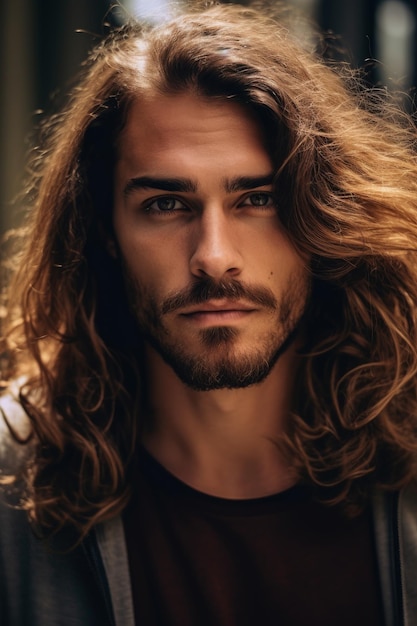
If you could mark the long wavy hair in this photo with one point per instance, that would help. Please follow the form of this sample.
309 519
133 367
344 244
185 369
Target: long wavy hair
346 180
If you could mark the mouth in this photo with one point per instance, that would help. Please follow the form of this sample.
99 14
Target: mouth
217 311
217 306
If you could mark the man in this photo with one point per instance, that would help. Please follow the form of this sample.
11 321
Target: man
211 344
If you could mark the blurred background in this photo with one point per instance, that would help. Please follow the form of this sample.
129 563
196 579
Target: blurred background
43 43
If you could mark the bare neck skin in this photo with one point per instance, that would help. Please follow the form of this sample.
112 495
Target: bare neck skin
222 442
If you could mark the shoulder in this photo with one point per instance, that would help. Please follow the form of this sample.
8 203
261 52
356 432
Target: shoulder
407 539
395 518
398 508
15 451
407 519
15 431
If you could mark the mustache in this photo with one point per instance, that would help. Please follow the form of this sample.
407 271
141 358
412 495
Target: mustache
208 289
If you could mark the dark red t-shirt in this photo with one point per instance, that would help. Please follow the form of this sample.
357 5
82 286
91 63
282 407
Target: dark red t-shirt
282 560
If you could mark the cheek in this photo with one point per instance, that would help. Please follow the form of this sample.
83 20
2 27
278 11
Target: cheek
278 260
154 267
138 252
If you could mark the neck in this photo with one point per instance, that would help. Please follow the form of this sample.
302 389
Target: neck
222 442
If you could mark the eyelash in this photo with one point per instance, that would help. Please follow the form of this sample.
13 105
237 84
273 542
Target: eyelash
157 211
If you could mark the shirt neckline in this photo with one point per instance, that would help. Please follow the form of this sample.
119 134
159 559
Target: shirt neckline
168 484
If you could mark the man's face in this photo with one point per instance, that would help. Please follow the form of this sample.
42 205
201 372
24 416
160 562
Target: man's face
215 284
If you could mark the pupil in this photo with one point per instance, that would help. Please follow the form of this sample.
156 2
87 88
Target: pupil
166 204
260 199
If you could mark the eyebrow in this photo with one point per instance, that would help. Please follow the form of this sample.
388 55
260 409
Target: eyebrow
166 184
239 183
245 183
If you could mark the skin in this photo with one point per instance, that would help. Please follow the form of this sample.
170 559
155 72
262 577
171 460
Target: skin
216 225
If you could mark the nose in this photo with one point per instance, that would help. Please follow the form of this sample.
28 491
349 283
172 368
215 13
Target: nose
215 245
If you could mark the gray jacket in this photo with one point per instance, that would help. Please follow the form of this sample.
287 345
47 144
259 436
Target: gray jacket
41 584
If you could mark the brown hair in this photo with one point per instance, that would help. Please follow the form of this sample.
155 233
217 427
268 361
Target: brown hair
346 178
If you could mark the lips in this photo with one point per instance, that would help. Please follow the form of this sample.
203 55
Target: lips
219 307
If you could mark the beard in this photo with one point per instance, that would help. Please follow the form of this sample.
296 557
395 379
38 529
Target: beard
218 363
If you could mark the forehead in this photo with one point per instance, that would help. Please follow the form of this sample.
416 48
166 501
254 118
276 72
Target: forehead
168 123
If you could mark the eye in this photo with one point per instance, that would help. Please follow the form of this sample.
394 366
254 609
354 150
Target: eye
259 199
165 204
